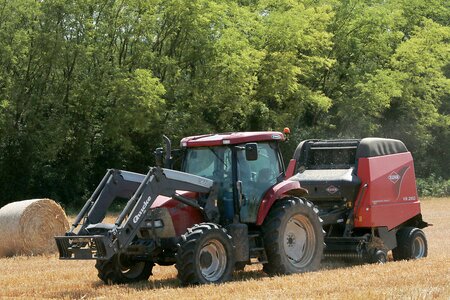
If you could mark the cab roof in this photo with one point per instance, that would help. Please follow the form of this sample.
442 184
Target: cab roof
231 138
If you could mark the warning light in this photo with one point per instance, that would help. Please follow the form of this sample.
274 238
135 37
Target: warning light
286 132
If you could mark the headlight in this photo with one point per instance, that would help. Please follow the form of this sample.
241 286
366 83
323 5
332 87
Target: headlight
157 223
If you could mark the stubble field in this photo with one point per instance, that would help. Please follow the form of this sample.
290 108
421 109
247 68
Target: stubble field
429 278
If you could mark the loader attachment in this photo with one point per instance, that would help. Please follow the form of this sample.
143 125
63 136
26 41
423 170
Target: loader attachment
95 240
83 247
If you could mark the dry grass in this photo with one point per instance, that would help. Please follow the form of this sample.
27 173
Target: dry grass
47 277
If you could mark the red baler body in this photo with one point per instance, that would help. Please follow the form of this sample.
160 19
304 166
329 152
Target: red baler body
390 197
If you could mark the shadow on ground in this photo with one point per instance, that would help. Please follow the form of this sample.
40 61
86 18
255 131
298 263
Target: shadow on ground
173 283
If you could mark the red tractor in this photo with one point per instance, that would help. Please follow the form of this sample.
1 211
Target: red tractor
234 204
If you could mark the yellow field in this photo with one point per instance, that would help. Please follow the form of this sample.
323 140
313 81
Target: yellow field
47 277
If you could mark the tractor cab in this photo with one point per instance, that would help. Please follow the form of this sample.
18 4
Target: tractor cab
244 165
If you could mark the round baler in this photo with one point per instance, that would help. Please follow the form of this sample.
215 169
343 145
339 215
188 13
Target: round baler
367 197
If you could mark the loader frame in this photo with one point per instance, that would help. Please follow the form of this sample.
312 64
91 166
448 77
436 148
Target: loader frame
96 240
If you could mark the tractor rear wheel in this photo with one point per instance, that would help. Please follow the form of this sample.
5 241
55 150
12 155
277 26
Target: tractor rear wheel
293 237
411 244
123 269
205 255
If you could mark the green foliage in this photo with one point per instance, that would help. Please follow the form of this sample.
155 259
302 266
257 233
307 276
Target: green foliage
89 85
433 186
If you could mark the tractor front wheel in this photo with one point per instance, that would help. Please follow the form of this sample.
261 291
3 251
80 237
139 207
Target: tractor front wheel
293 237
205 255
411 244
123 269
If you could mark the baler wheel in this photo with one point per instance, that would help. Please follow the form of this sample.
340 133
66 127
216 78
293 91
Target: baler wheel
122 269
293 237
411 244
205 255
378 256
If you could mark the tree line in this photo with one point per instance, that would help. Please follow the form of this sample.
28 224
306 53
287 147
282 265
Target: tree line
93 84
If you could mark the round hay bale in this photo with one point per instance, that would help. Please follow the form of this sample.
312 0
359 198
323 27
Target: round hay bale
28 227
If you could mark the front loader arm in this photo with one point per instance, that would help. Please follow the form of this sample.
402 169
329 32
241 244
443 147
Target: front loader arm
119 236
158 182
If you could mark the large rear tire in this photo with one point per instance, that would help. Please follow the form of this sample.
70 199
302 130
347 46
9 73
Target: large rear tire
411 244
293 237
205 255
123 269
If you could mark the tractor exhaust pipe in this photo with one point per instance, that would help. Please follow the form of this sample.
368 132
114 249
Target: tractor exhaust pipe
168 159
159 154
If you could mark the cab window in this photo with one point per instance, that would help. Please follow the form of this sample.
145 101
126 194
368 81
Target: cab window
259 175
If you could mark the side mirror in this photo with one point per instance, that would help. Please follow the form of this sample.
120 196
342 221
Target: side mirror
251 151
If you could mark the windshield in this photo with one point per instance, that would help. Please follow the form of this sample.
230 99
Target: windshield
215 163
210 162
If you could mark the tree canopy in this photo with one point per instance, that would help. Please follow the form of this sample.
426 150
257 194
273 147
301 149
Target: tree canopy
88 85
